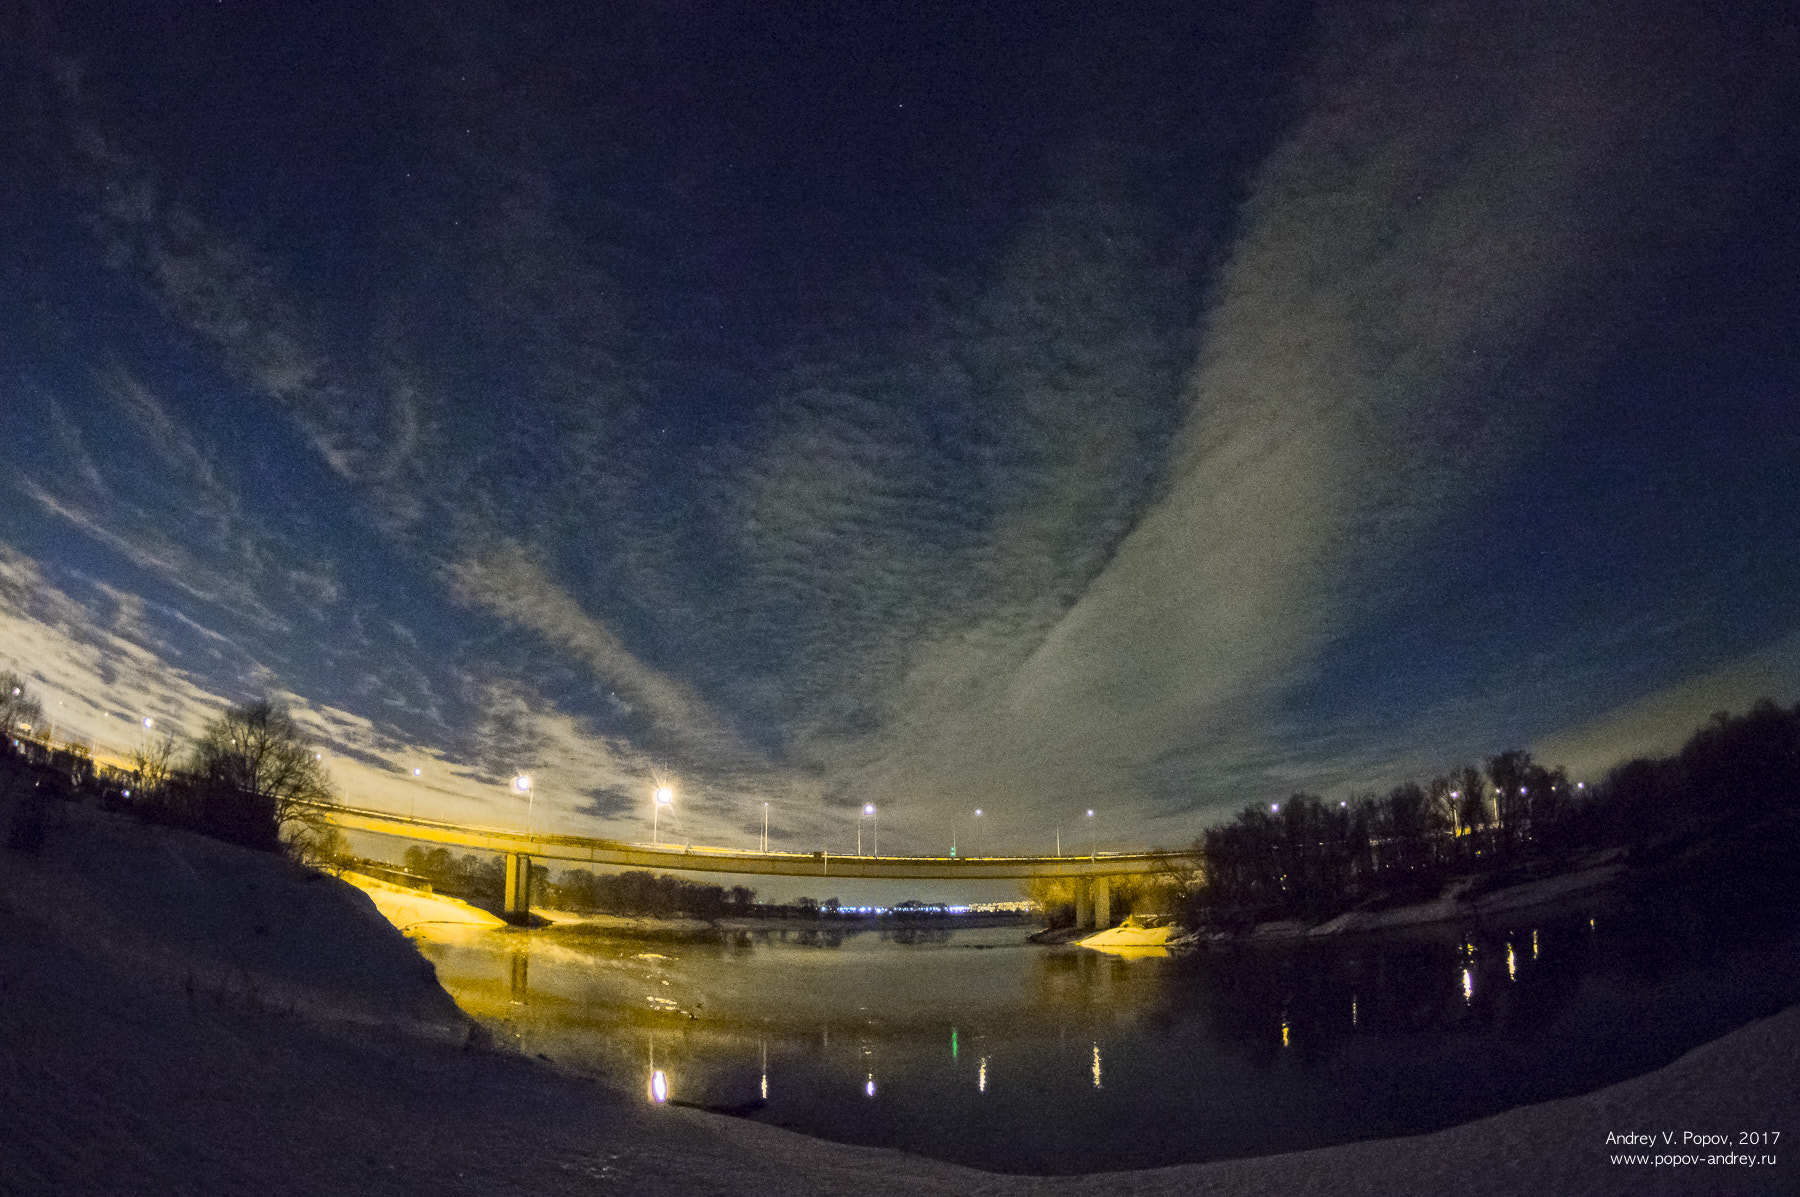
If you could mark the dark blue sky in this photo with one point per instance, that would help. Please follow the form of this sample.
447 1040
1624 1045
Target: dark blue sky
1032 408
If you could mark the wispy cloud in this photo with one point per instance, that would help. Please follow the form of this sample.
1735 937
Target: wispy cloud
1392 256
1658 723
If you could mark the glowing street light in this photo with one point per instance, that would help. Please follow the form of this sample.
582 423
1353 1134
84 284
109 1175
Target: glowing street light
664 797
868 812
522 784
1092 851
972 831
765 843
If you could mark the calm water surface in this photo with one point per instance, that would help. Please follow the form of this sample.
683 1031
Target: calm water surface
975 1046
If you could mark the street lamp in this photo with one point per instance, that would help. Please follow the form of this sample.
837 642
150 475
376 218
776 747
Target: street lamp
973 830
1092 850
765 846
868 812
522 784
664 797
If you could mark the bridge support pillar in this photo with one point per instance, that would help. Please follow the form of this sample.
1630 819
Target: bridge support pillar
1102 903
1084 904
518 884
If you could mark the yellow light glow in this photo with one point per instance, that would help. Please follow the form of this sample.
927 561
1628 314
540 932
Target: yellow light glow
664 795
1096 1069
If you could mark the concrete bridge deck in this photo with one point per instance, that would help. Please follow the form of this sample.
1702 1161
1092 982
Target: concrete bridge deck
695 858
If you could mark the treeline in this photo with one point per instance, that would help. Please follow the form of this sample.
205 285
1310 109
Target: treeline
641 893
478 880
482 882
251 778
1306 857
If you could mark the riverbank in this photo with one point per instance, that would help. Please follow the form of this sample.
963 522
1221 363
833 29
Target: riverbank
1457 904
182 1016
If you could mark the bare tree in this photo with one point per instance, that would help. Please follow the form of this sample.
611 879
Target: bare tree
153 764
258 775
19 711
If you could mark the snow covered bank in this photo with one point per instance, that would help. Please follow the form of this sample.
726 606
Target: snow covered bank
1453 906
116 1076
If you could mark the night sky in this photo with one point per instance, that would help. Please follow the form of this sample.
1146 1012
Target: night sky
1149 407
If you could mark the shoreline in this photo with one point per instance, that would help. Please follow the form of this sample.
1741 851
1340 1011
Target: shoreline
185 1016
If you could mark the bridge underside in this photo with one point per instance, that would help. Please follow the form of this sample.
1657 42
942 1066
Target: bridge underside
619 854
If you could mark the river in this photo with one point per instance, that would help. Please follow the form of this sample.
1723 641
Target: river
973 1045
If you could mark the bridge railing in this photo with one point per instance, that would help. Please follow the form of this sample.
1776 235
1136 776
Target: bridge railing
713 859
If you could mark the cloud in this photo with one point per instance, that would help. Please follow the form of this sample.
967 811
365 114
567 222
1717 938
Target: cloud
1074 526
1392 258
1658 723
512 583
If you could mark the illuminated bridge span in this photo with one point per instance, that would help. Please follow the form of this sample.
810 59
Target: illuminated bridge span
1092 872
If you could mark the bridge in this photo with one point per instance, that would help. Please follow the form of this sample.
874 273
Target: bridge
1092 873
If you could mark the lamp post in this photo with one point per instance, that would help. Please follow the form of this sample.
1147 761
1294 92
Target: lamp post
765 843
973 829
869 810
664 797
1092 852
522 784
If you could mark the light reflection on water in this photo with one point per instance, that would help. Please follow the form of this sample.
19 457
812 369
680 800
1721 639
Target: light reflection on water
1078 1061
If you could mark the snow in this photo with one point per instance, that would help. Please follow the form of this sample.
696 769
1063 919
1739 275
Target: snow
179 1016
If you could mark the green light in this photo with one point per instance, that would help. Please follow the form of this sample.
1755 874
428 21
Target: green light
953 1043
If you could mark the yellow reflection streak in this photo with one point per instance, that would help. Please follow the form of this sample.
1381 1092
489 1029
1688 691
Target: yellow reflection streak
1096 1066
981 1077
